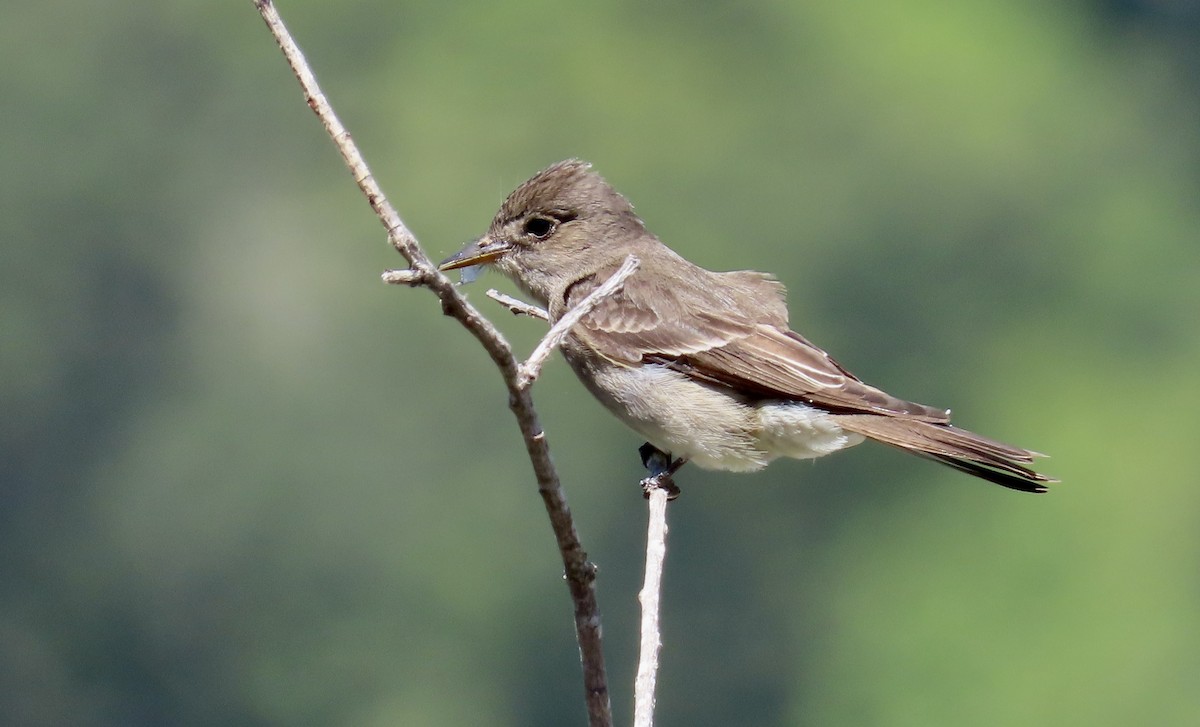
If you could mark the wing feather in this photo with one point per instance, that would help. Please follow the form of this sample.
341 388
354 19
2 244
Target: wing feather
727 329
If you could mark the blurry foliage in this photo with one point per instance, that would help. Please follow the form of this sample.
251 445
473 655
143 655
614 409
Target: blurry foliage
245 483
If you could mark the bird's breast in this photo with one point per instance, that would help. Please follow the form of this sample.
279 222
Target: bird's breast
673 412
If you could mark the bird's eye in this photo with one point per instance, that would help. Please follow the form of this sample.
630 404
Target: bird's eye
539 227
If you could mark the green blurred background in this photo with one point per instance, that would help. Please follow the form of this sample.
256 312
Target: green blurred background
242 482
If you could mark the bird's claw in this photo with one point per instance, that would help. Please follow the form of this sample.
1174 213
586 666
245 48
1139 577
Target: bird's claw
662 470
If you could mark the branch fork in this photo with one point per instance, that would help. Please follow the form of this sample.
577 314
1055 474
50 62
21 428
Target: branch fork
580 572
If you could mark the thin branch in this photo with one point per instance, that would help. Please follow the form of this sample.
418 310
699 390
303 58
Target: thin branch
579 571
403 277
656 553
529 370
517 307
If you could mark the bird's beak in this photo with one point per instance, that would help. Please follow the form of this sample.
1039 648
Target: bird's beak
479 252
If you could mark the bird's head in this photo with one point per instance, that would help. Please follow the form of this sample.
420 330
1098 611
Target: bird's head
564 223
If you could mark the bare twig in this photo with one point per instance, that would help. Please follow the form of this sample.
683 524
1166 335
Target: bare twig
403 277
656 553
517 307
529 370
579 571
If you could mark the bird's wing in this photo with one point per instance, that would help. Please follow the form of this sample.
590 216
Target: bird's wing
779 363
727 329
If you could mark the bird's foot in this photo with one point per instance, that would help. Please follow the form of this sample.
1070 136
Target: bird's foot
662 470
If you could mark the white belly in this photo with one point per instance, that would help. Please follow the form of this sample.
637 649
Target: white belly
706 424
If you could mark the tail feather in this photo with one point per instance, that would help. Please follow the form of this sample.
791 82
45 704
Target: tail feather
965 451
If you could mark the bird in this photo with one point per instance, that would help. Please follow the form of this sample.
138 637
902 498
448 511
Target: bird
703 364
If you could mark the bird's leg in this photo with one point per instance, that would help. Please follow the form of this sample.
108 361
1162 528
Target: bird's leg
662 469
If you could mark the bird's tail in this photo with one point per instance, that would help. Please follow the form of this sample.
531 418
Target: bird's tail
965 451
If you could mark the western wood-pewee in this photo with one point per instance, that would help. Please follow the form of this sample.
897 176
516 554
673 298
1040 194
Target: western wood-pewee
703 364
